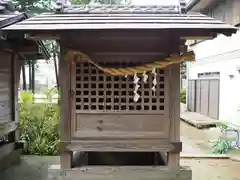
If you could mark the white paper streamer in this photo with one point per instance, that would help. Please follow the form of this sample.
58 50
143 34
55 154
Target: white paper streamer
145 77
136 79
136 97
154 80
136 88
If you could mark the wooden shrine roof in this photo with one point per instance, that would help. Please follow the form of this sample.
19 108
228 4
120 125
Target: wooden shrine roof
121 17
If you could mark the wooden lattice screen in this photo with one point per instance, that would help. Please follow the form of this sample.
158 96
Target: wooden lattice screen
97 91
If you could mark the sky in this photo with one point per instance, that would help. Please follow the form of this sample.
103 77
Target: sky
156 2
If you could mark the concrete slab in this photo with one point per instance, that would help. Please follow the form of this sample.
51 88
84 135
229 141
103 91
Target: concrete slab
10 159
204 156
120 173
198 120
54 172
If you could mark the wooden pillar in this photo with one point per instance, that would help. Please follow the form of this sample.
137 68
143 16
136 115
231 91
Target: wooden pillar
65 119
15 80
174 111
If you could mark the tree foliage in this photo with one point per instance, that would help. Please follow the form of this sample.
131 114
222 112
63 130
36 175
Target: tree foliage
97 1
39 6
33 6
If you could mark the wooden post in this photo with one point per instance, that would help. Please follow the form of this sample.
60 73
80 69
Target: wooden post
65 119
33 76
29 75
174 111
15 78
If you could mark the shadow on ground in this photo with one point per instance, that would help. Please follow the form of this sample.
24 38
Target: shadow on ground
30 168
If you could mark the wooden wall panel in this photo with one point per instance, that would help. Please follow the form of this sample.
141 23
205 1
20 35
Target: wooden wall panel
116 126
5 87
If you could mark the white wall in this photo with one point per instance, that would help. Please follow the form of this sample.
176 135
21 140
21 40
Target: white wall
45 74
221 55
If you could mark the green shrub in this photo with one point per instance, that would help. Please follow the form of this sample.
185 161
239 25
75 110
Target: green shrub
221 146
183 96
39 124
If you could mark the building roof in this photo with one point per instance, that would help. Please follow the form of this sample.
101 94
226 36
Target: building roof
8 19
9 16
199 5
120 17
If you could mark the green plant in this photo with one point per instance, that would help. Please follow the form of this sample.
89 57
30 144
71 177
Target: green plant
39 124
223 145
183 96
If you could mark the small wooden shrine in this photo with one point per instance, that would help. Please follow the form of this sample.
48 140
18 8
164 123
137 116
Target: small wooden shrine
14 51
119 79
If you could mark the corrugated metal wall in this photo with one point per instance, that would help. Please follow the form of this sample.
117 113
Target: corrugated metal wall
203 97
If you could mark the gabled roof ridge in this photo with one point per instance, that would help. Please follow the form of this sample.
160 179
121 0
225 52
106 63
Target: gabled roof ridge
121 9
64 6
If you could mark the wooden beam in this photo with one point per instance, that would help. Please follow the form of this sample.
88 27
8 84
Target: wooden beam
198 37
41 37
111 34
127 53
123 145
27 48
123 47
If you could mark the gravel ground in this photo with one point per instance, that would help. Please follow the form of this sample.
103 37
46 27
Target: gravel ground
213 169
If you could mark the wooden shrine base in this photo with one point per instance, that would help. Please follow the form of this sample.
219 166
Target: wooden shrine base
120 166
